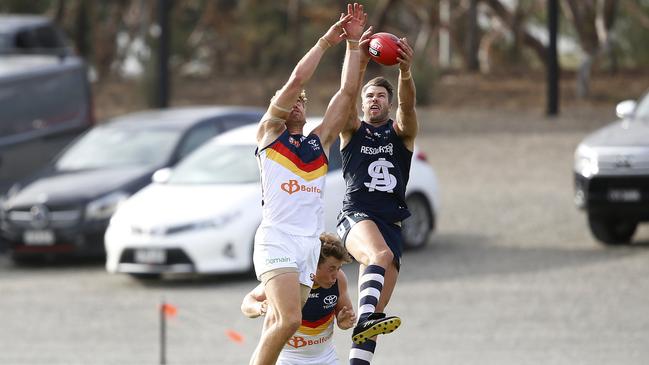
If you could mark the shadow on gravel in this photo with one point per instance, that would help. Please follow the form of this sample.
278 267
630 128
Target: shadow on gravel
194 281
453 256
49 263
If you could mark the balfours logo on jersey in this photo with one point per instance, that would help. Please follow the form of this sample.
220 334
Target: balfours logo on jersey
382 180
292 186
299 341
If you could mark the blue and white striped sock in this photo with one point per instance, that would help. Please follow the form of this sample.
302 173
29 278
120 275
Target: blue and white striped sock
362 354
370 286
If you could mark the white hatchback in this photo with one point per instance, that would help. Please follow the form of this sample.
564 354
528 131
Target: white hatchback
201 217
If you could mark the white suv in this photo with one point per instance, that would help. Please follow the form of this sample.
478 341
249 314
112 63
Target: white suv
612 174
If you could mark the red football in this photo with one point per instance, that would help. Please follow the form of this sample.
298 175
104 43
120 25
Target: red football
384 48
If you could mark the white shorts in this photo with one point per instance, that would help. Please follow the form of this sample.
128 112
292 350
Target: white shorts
327 357
275 249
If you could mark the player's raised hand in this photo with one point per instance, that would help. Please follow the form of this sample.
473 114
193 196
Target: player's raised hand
405 55
336 33
364 44
354 27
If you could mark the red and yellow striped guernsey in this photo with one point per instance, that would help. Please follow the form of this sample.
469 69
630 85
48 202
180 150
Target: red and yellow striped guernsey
313 338
293 170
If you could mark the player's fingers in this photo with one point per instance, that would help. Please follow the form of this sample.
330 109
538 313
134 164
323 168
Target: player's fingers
403 42
367 33
344 18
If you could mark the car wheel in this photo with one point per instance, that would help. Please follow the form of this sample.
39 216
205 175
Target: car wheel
417 228
612 231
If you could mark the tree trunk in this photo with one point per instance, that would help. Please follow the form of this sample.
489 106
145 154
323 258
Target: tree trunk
381 14
472 38
583 76
295 26
606 12
526 38
593 21
83 30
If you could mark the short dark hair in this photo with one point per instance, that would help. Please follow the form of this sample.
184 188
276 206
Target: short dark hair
382 82
332 247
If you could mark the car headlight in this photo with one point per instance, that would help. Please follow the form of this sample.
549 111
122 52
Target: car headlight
213 223
586 162
104 207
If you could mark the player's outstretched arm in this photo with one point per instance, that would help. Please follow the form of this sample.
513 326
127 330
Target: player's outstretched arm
337 112
406 126
353 122
254 303
272 123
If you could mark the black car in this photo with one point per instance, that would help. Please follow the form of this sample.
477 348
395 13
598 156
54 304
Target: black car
66 207
612 174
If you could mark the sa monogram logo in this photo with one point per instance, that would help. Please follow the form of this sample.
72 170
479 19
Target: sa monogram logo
296 341
382 180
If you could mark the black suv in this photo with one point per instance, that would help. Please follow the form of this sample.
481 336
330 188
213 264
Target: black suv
612 174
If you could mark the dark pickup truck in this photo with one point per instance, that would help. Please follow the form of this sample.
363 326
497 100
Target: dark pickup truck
45 98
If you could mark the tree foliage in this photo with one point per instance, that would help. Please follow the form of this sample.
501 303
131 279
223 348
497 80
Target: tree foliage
258 37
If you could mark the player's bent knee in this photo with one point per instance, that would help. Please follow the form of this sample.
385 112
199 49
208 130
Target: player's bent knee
383 257
290 323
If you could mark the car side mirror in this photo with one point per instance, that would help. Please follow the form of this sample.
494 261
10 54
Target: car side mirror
625 109
161 176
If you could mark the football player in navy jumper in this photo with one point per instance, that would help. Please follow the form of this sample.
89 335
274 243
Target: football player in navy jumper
376 154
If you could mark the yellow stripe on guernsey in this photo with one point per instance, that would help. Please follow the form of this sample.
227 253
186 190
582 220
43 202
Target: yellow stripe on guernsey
314 331
290 165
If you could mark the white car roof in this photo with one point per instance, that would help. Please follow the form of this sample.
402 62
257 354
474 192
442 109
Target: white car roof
247 134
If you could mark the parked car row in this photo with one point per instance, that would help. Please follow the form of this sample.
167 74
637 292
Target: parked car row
66 207
178 200
177 191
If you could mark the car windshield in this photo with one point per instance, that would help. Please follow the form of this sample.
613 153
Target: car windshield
218 164
642 110
106 147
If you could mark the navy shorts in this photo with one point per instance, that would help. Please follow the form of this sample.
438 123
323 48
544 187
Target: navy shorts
391 232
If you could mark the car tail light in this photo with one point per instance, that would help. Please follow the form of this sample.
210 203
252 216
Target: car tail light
421 156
